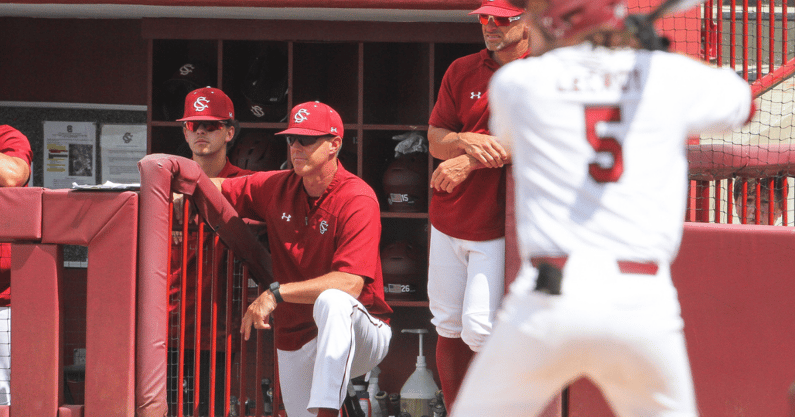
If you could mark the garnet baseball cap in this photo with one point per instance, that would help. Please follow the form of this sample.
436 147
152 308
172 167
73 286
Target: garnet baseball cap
313 118
207 104
499 8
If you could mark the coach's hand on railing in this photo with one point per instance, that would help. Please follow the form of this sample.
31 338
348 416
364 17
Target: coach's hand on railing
258 314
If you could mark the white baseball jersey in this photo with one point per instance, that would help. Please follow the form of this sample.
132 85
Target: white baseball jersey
596 135
597 139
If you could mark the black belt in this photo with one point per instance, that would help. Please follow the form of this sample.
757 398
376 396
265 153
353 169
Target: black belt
626 267
550 267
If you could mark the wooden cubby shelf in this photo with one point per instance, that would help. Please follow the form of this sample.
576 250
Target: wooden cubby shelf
383 84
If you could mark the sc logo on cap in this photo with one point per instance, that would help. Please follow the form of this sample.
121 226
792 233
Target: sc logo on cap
201 104
301 116
186 69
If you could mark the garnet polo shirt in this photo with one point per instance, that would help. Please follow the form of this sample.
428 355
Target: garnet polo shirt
340 232
475 210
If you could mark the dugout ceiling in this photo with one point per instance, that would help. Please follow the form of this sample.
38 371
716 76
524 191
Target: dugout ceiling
375 10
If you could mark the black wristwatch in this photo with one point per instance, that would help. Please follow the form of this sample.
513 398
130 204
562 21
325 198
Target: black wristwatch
276 294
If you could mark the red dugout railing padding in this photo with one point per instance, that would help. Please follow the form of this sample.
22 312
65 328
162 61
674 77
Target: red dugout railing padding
737 312
720 161
23 223
160 176
37 372
107 224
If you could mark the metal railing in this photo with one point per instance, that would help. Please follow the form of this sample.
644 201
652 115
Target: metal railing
754 38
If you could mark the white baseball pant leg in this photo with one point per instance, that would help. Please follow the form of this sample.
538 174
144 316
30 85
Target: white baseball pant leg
5 355
350 343
623 331
466 282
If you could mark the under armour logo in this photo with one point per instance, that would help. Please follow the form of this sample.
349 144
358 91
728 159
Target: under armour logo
186 69
286 216
323 227
201 104
333 130
474 95
301 115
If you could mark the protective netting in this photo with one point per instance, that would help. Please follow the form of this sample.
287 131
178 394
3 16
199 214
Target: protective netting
748 171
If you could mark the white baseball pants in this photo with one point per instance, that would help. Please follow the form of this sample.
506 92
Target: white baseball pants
350 343
466 282
623 331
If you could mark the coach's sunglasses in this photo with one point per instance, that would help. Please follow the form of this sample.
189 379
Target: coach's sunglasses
498 21
304 140
209 125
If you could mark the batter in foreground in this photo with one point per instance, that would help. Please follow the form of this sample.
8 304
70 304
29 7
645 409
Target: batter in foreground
596 127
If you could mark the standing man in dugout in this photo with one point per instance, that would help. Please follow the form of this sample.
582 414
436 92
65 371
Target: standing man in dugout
466 272
209 129
15 157
330 320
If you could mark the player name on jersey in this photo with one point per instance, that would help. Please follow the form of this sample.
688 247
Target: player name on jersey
594 80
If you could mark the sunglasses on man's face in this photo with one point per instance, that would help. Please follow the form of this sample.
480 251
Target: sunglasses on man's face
498 21
303 140
209 125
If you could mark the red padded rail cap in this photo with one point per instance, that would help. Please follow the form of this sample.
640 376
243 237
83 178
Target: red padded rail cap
718 161
21 214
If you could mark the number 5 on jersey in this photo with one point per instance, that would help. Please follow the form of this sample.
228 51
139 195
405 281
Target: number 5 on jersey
604 144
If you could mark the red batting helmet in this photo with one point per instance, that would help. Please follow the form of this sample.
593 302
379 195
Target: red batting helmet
265 85
403 266
186 78
406 183
564 19
257 151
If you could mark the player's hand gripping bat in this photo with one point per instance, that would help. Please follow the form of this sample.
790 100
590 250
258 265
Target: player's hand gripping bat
642 25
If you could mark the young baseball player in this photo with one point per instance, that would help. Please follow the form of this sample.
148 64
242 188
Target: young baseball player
208 127
597 135
208 124
15 158
330 319
466 272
